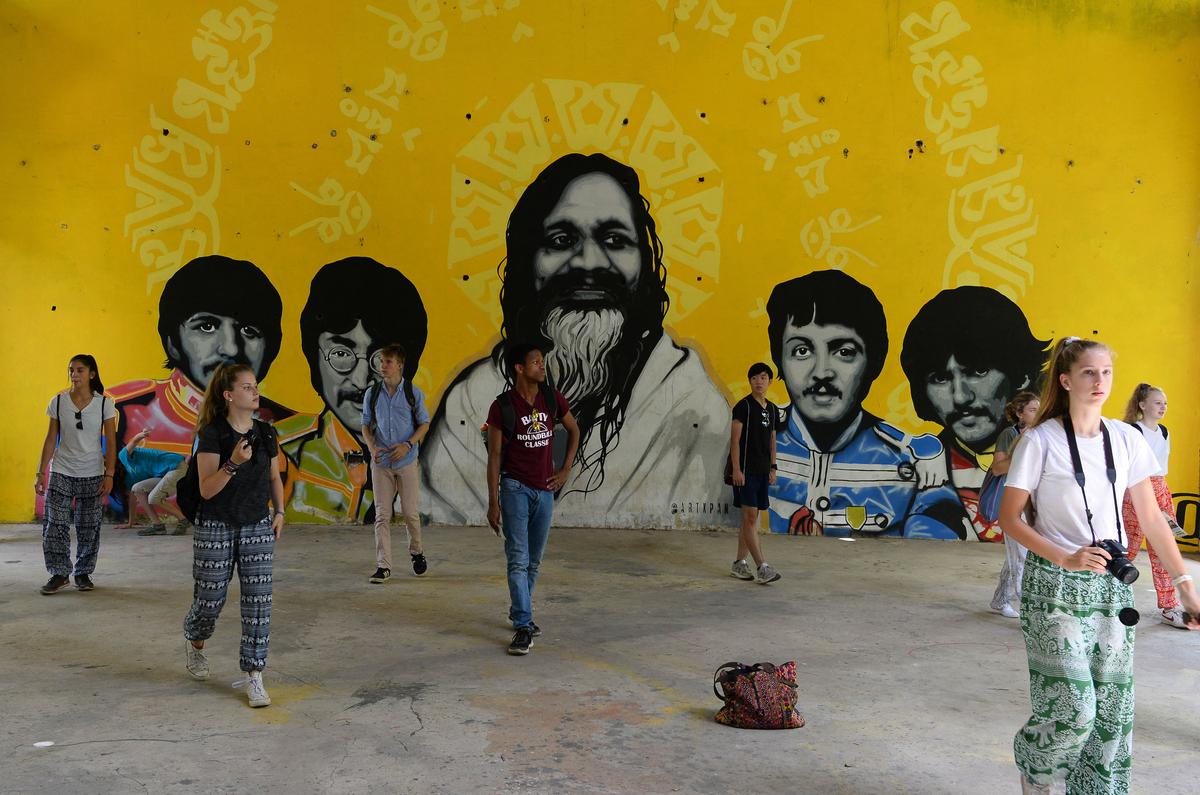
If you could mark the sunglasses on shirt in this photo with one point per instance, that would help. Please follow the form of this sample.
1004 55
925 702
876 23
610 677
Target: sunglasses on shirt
79 420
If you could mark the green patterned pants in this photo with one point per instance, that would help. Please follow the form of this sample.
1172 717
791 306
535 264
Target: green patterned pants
1080 679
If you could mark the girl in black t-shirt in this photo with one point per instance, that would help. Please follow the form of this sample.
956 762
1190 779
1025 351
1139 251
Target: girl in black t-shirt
236 459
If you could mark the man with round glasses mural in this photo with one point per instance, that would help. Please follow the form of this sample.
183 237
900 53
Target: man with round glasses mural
355 307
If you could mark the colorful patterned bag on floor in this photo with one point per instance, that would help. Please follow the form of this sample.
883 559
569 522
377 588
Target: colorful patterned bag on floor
759 696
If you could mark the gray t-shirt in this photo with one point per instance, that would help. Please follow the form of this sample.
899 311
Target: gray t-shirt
78 454
1007 438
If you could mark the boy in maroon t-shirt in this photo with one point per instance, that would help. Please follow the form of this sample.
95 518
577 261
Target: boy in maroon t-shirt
522 480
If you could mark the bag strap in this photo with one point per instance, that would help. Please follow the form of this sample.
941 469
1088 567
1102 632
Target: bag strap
729 666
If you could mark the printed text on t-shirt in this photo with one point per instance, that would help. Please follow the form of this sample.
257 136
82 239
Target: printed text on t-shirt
537 432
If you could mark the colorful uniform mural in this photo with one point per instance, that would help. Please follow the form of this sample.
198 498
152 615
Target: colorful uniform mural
585 279
840 468
874 479
355 306
966 353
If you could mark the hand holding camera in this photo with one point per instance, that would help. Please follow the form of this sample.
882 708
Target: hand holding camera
243 451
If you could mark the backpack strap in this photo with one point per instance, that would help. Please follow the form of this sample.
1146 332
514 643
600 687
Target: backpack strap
412 401
508 415
551 397
1163 428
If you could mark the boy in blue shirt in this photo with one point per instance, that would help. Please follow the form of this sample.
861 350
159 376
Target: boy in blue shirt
394 421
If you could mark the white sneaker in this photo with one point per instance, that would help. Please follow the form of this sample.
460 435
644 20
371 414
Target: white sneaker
1008 611
255 690
741 569
1174 617
766 574
197 661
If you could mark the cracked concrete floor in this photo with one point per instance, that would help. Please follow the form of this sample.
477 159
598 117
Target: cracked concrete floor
908 682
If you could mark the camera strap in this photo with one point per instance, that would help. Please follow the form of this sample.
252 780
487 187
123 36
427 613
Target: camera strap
1110 469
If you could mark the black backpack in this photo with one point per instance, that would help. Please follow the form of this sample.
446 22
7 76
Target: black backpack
1161 429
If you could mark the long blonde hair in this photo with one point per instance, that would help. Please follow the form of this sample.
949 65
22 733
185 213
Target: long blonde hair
1133 411
214 405
1055 400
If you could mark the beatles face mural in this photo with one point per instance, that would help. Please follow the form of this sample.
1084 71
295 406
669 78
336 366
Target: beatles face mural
966 353
355 306
842 469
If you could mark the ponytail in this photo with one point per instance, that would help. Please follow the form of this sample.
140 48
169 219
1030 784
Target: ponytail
89 361
1056 401
221 382
1133 411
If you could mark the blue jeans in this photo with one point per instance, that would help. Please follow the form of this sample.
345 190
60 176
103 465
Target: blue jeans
525 515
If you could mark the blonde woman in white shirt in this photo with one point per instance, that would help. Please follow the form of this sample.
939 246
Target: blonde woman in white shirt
1071 466
1147 406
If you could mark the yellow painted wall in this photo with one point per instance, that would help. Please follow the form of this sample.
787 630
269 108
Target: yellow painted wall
817 146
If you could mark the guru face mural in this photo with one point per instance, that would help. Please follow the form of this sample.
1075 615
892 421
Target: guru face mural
841 469
585 279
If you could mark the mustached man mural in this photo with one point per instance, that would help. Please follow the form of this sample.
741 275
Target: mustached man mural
966 353
584 277
842 469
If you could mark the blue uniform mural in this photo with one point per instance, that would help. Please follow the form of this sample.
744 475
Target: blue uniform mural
841 469
874 478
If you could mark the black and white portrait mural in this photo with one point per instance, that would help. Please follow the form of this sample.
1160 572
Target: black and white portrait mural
584 277
212 310
355 306
842 469
966 353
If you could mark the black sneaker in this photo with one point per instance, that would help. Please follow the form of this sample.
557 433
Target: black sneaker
158 529
380 575
521 641
419 564
84 583
534 629
55 584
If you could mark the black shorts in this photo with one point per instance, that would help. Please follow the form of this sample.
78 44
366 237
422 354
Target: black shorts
753 494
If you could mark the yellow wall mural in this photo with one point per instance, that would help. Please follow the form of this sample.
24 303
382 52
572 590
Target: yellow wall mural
1043 153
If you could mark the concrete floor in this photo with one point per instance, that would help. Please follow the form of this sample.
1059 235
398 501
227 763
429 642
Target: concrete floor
908 682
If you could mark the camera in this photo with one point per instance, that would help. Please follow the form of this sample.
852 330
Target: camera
1119 565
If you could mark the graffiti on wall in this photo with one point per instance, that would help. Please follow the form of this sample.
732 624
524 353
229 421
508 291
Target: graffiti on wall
841 469
966 353
585 278
355 306
212 310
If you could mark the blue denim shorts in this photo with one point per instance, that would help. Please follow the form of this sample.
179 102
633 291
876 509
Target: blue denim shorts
753 494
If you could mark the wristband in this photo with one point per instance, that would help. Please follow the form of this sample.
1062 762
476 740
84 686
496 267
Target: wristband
229 467
1181 579
773 466
279 514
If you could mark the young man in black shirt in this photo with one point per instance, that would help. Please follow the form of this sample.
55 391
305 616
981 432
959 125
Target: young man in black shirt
752 465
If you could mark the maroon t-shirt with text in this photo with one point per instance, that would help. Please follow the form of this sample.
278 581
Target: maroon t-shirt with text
529 454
